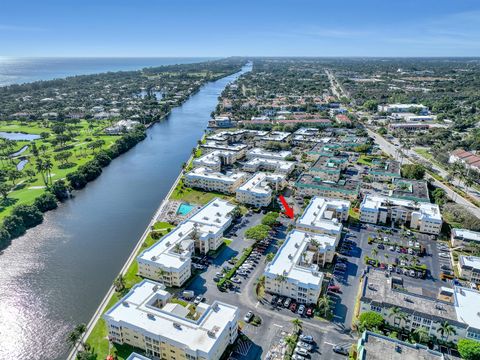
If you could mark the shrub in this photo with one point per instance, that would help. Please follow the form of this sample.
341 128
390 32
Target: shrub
14 226
258 232
60 190
77 180
46 202
469 349
29 214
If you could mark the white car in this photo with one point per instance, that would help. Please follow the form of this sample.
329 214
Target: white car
301 351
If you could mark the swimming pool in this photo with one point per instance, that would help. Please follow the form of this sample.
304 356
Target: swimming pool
185 208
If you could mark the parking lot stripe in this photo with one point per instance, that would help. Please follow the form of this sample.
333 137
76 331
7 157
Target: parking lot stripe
280 326
256 305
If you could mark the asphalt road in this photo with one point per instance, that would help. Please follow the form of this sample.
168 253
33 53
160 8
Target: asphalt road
391 150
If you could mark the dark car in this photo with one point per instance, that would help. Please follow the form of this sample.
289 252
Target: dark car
340 350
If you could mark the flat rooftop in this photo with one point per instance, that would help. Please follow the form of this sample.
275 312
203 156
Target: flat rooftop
276 136
288 260
467 306
472 262
207 221
262 153
408 189
209 144
203 172
412 299
310 180
138 310
466 234
320 213
280 165
378 347
259 183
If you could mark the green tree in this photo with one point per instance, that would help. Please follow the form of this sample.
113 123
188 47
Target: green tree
469 349
270 219
413 171
29 214
421 334
297 325
46 202
258 232
445 330
370 320
5 190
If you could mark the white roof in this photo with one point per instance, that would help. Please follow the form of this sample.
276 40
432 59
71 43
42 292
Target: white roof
466 306
466 234
470 261
374 202
231 147
307 131
209 221
317 214
136 310
258 183
280 165
290 253
276 136
213 158
206 173
135 356
261 153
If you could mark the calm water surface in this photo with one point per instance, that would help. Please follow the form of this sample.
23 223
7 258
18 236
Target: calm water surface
14 70
55 276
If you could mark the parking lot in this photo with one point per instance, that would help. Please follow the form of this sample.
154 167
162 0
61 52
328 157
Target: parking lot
274 320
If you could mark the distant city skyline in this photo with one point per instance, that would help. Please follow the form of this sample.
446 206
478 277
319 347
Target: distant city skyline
217 28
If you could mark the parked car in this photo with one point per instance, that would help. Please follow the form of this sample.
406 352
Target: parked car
334 288
248 316
198 299
340 350
301 351
305 345
274 299
280 301
380 246
287 302
298 357
293 307
301 310
309 312
306 338
236 280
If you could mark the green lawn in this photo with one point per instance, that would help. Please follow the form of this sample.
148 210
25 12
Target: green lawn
365 160
26 189
196 196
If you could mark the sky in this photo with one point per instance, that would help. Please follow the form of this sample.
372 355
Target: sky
220 28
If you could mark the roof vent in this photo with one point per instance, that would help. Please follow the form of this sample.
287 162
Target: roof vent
151 316
153 258
177 326
124 303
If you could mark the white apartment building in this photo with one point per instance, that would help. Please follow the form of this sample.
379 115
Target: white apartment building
324 216
273 136
211 180
262 164
216 159
424 217
169 259
212 145
145 319
462 237
266 154
257 191
294 271
469 268
135 356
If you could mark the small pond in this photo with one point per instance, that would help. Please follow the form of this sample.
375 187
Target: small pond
18 136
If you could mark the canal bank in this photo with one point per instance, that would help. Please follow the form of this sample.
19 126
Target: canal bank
55 276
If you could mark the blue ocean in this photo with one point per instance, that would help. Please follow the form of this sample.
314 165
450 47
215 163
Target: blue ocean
14 70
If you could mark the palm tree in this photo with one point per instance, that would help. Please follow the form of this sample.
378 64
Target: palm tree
119 283
422 334
374 253
178 248
324 303
445 330
76 334
297 325
160 274
48 166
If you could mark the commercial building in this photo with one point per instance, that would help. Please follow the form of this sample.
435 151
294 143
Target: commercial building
169 259
262 164
310 185
373 346
469 268
467 158
399 108
458 306
216 159
211 180
462 237
145 319
412 126
257 191
266 154
294 271
424 217
324 216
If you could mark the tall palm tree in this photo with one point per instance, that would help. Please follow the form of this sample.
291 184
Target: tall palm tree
297 325
422 334
445 330
324 303
48 166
